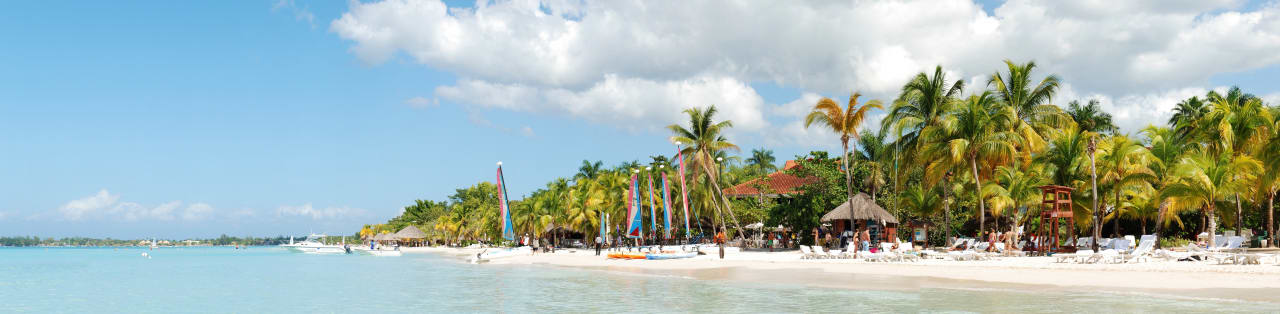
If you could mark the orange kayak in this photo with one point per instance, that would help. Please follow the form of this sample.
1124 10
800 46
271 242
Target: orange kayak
626 256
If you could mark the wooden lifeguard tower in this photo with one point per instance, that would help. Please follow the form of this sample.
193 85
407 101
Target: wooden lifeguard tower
1055 206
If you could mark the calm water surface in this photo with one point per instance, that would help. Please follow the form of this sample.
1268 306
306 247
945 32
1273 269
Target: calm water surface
273 280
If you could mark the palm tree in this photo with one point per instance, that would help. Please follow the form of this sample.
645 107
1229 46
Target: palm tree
1013 189
1091 118
589 170
1269 180
761 162
843 121
873 152
1204 179
1166 150
920 201
704 140
1036 117
921 105
975 134
1235 126
1124 166
1186 117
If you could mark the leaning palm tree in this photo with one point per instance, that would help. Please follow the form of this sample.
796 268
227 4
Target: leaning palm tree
1205 179
1166 150
975 134
704 141
846 122
1268 183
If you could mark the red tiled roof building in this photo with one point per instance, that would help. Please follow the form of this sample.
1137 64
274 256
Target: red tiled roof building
775 184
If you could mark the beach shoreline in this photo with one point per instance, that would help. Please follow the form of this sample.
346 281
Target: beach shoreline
1184 279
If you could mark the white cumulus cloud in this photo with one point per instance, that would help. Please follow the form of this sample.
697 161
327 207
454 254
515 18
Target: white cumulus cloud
306 210
643 61
80 208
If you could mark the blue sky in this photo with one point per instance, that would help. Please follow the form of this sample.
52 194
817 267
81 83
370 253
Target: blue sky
179 119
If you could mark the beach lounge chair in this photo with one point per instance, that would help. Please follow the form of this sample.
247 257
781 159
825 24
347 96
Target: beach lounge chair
1143 251
1121 245
806 253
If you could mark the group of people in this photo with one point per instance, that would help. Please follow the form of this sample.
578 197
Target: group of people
859 240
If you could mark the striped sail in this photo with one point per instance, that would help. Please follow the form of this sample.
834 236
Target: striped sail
634 222
504 208
666 207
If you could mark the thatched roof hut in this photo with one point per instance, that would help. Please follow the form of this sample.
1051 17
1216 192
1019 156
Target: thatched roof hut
410 232
863 209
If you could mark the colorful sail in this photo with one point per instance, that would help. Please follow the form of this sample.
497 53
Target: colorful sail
634 223
504 208
684 194
604 233
653 208
666 207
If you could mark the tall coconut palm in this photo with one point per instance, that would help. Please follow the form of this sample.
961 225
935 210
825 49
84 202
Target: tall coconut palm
1268 183
1234 126
1030 103
1166 150
703 140
1091 118
1124 167
923 103
976 134
1205 179
846 122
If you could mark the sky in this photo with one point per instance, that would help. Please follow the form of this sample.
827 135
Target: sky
194 119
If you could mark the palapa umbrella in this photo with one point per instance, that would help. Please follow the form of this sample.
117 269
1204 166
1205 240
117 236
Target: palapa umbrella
863 209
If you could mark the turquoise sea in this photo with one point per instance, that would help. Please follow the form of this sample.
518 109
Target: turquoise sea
273 280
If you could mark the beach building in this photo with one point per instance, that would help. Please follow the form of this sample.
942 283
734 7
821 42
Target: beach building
779 184
409 236
863 212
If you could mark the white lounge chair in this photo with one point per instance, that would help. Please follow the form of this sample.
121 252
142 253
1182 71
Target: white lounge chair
806 253
1144 250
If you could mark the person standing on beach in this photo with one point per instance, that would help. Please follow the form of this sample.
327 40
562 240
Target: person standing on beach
598 240
720 242
864 238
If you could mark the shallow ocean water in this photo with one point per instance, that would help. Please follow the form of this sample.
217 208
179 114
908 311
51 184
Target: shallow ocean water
225 280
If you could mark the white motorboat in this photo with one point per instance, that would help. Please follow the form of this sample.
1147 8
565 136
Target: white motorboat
492 254
313 245
379 251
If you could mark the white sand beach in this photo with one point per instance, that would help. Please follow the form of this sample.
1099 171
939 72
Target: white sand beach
1183 278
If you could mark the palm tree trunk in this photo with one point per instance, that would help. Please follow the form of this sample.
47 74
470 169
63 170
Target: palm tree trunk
848 176
1164 205
1097 214
946 210
1239 216
1271 226
1213 224
982 207
1116 210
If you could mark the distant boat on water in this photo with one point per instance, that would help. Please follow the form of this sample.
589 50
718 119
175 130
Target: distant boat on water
313 245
